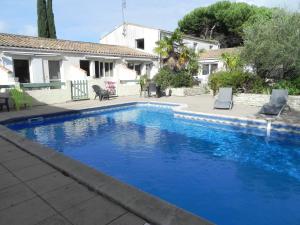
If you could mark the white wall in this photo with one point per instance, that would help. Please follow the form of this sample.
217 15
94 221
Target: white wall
116 37
150 35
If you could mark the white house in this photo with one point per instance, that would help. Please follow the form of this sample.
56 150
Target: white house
33 61
145 38
211 61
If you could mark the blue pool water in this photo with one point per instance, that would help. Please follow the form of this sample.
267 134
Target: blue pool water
218 172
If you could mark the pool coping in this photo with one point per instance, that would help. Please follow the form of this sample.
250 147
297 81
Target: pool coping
149 207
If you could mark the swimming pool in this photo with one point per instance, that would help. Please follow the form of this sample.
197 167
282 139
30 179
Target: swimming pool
224 173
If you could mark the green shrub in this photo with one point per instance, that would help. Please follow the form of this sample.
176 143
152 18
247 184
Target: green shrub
292 86
238 80
168 78
182 79
163 78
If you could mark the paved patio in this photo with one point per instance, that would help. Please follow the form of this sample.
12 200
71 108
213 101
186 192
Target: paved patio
32 192
202 103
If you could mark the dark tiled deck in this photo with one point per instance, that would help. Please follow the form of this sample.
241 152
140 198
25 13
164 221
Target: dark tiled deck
32 192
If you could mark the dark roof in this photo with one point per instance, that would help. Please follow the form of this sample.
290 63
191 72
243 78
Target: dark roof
217 53
28 42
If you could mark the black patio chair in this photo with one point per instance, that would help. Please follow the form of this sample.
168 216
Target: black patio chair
100 92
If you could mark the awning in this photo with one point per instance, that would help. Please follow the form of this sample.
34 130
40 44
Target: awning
101 57
138 60
16 53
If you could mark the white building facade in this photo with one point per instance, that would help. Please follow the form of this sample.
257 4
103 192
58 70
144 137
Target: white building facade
38 62
145 38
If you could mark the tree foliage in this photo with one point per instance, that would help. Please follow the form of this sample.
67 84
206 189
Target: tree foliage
51 23
176 55
46 24
272 46
43 28
223 21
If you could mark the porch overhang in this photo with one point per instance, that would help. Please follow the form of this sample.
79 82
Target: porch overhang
94 57
17 53
140 60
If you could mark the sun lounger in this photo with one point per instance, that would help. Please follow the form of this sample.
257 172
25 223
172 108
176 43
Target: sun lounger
278 102
224 100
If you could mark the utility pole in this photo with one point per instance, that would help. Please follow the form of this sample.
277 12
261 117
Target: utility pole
124 5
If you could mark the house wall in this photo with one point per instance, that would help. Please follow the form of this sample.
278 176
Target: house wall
151 36
116 37
204 78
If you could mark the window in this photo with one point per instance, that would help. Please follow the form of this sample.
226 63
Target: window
54 71
205 69
213 68
137 69
104 69
85 65
97 72
140 43
148 69
101 69
130 66
21 69
107 69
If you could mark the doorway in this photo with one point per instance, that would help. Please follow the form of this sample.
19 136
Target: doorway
21 69
85 65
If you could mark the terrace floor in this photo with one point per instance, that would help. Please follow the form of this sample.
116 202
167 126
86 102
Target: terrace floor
202 104
34 193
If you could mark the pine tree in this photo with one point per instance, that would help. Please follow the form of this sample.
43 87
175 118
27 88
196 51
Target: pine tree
51 23
43 29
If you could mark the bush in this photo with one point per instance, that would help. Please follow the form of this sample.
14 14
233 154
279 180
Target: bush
182 79
168 78
163 78
292 86
238 80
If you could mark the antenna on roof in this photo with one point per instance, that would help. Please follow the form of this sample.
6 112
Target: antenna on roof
124 5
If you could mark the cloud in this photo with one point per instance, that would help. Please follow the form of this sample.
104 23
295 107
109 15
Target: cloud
3 26
29 30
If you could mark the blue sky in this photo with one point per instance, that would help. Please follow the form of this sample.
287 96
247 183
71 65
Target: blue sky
88 20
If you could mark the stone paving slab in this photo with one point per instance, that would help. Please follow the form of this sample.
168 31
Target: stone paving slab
96 211
49 182
55 220
68 196
21 163
7 180
32 172
3 170
14 195
27 213
128 219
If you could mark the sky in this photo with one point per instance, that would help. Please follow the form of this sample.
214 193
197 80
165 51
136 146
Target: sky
88 20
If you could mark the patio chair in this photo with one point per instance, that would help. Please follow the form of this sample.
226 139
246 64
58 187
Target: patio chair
225 99
101 93
278 102
19 98
152 90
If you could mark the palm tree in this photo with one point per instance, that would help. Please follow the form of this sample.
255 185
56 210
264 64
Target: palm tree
173 51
